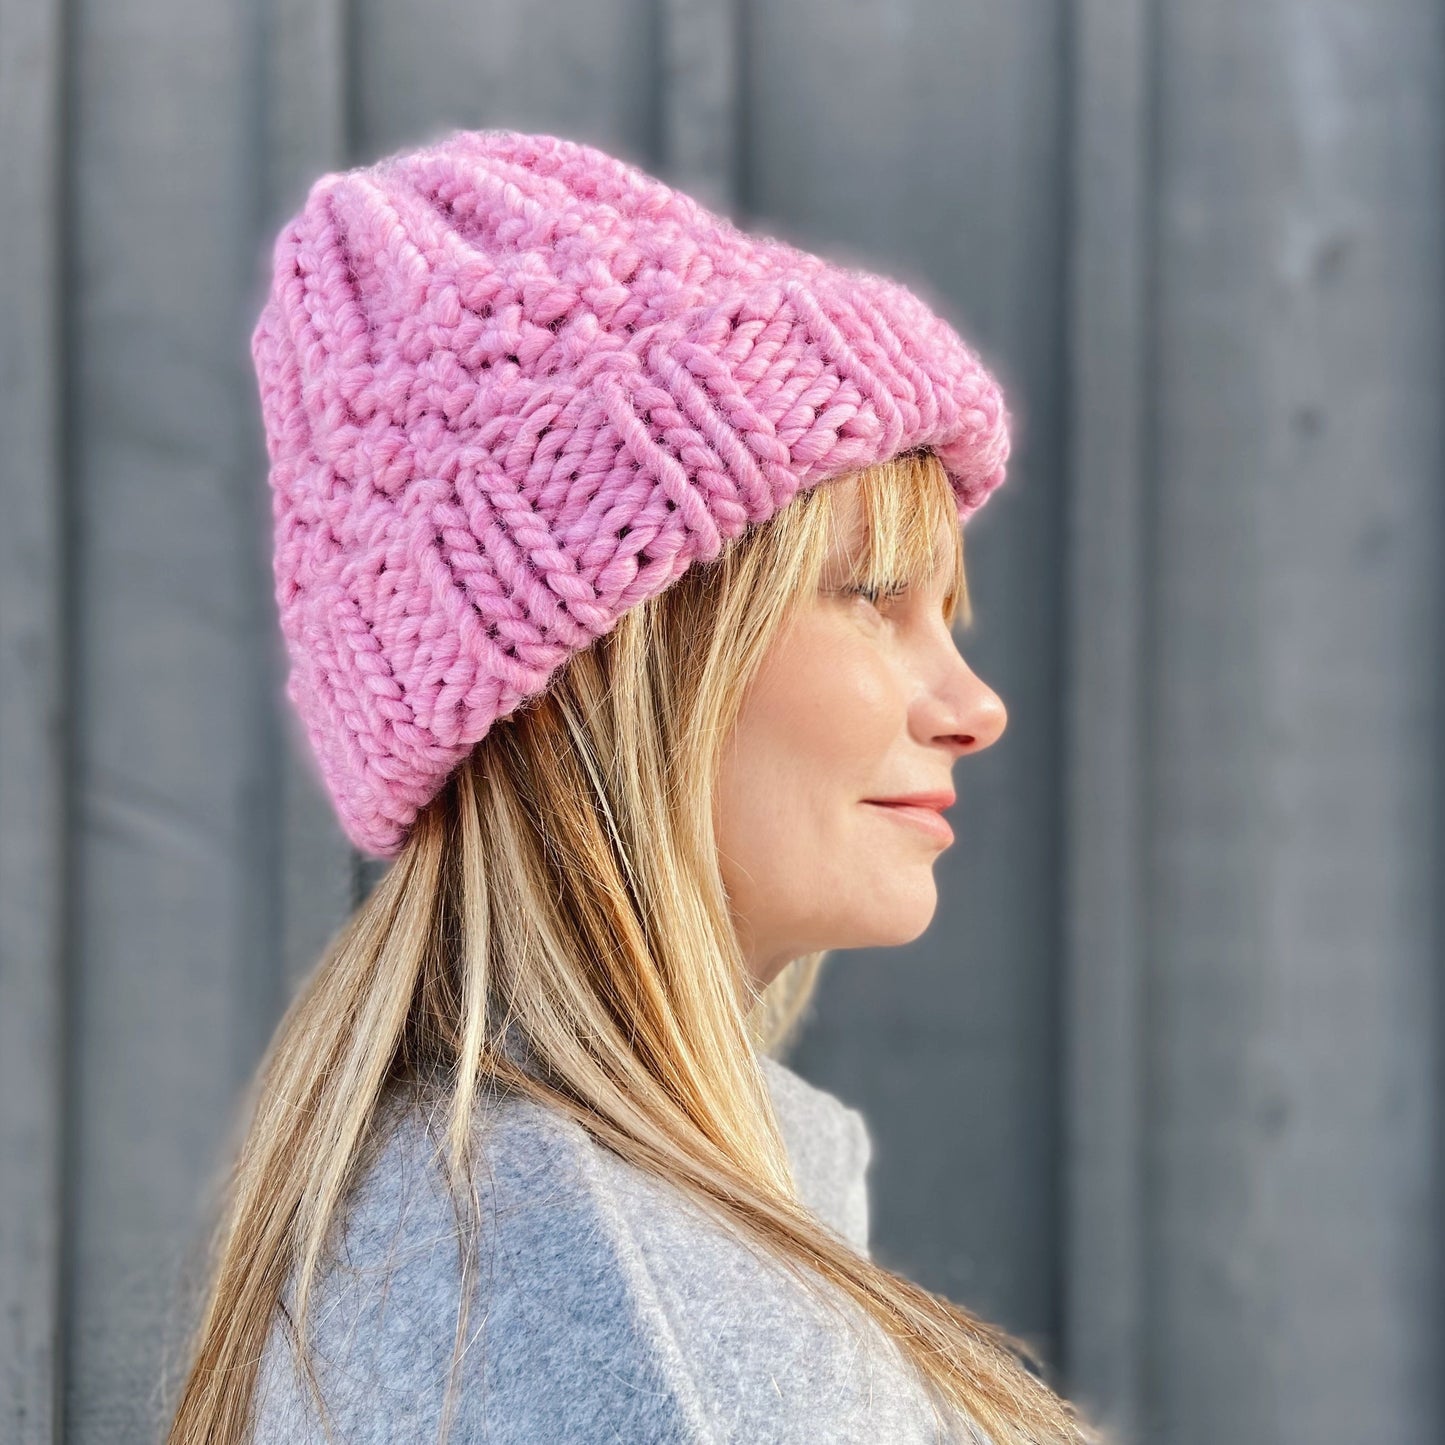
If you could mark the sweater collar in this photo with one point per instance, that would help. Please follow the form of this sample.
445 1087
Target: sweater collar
828 1143
829 1147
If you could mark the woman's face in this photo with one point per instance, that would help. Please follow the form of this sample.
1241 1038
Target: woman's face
859 700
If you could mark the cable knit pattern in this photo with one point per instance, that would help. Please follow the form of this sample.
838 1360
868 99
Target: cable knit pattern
512 386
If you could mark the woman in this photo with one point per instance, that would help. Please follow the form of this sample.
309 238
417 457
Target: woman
618 556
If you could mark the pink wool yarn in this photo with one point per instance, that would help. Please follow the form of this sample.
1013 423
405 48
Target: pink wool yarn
512 386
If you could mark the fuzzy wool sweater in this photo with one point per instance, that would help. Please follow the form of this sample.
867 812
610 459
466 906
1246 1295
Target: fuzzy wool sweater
606 1306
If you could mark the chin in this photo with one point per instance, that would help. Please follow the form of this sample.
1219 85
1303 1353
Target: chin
914 920
910 935
905 924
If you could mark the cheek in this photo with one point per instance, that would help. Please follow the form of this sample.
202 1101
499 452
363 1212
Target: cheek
834 705
815 727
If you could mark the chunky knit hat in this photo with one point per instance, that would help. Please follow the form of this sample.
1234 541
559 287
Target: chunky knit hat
512 386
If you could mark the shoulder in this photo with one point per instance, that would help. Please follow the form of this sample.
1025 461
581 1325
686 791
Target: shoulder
765 1356
554 1347
603 1304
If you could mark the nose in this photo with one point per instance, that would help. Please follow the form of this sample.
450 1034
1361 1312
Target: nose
987 719
969 712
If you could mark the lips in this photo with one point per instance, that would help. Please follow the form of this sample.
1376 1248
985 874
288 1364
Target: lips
929 819
938 799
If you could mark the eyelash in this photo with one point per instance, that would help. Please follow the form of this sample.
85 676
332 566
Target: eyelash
874 594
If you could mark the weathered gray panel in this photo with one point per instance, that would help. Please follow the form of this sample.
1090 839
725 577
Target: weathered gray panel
305 103
32 722
1294 762
1104 989
177 960
698 100
882 134
580 68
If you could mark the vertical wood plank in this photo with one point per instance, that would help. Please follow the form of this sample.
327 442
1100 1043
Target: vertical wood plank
1295 762
33 724
304 107
698 99
1105 986
580 68
175 937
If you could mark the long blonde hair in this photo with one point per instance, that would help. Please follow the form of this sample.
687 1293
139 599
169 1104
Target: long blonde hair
566 883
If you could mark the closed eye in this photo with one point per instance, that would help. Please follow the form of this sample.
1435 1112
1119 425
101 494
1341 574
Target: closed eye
876 594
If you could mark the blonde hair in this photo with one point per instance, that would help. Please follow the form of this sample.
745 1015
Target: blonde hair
566 883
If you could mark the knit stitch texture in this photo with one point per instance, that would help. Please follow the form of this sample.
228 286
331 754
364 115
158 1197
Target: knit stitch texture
513 386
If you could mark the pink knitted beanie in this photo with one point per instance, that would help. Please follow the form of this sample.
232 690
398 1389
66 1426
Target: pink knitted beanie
513 386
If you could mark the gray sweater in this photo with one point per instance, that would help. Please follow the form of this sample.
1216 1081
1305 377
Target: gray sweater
608 1306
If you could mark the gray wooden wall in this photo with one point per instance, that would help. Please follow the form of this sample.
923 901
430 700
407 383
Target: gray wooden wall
1160 1089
